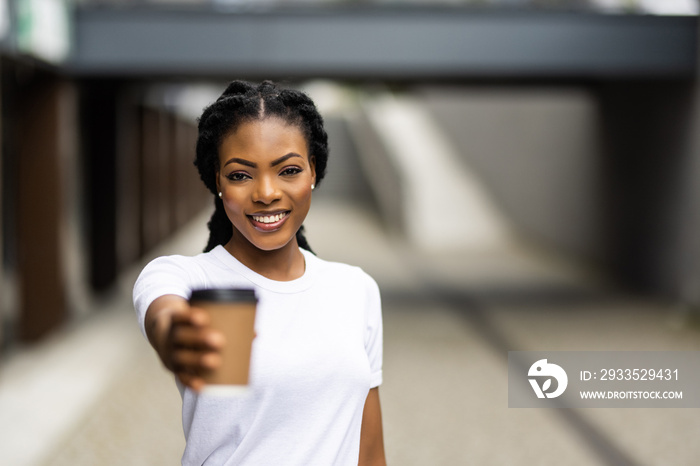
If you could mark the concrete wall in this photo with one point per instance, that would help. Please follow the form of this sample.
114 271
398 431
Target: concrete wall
344 178
606 172
536 151
689 228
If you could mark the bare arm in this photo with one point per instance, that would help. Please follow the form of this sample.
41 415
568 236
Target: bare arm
372 436
182 338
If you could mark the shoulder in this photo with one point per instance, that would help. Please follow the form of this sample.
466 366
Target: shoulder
174 274
349 275
173 263
170 261
178 265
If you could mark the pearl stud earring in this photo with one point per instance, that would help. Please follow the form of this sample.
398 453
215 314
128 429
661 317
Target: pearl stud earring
313 186
220 194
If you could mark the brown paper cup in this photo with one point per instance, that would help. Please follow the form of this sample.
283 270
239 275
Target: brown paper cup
232 312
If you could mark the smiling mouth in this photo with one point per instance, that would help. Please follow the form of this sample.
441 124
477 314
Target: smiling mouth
269 218
269 222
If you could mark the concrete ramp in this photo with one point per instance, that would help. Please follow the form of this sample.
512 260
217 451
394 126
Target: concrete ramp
421 184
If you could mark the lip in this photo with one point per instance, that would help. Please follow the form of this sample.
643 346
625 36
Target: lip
268 227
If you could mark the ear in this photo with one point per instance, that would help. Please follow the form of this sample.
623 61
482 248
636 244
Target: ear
312 166
218 181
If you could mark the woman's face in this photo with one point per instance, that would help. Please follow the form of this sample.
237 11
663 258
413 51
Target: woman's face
265 178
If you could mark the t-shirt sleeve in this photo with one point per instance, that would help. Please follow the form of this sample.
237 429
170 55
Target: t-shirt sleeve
162 276
374 333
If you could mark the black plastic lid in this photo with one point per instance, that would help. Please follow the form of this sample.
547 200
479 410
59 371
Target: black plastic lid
224 295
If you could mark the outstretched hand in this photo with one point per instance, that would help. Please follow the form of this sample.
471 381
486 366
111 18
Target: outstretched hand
184 340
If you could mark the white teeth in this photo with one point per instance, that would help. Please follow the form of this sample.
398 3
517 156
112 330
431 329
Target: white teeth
269 219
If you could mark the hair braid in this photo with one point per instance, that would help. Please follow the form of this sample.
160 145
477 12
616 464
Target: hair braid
220 228
301 239
241 102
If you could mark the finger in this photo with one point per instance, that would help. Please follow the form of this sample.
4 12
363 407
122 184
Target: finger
198 338
211 361
186 360
215 339
196 362
193 316
199 317
192 381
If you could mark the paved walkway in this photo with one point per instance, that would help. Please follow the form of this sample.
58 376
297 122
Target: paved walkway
449 323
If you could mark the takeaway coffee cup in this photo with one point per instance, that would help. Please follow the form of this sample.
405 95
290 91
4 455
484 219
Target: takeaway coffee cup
232 312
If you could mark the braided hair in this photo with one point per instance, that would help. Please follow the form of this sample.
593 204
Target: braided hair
243 102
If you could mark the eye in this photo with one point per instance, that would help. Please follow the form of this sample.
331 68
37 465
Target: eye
237 176
290 171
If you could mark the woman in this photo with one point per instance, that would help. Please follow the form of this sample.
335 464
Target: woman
317 357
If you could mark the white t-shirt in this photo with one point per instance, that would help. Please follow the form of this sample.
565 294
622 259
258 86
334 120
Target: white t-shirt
317 352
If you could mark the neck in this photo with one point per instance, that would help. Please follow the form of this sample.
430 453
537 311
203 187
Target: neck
284 264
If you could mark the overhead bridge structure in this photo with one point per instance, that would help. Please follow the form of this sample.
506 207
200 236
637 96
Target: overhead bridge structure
374 43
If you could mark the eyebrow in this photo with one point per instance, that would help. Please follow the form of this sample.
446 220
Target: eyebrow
275 162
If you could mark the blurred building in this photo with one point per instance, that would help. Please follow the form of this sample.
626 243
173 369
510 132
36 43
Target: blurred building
99 100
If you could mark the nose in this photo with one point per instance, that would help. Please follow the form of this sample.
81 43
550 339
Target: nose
266 191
